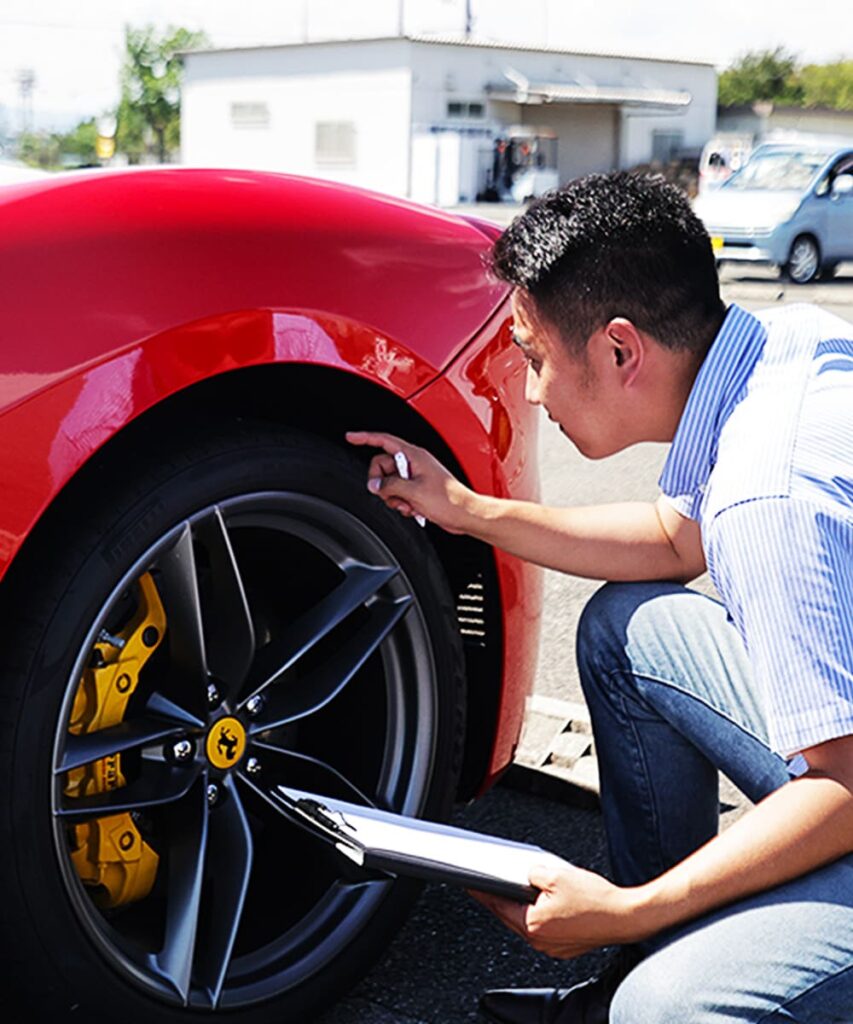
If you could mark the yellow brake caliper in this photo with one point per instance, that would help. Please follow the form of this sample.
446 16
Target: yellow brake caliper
109 853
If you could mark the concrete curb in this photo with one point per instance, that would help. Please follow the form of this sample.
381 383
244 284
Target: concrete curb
556 753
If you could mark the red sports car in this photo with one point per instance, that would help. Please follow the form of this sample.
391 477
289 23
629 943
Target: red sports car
201 599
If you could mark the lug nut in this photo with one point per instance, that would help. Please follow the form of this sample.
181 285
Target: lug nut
182 750
255 705
212 793
253 766
213 698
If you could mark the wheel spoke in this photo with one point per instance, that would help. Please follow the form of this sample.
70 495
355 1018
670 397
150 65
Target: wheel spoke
158 783
361 583
178 584
299 698
228 630
174 963
306 773
227 871
93 746
157 704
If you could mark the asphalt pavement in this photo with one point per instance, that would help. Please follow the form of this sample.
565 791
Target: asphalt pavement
451 949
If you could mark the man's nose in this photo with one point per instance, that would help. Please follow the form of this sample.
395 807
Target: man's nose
531 387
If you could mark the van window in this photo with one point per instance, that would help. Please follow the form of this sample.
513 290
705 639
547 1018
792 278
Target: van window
776 170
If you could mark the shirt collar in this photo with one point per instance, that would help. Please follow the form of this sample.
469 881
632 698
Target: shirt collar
716 391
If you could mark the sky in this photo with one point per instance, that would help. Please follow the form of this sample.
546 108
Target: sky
74 47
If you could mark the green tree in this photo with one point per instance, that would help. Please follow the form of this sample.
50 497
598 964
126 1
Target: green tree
761 75
80 142
39 149
148 117
828 85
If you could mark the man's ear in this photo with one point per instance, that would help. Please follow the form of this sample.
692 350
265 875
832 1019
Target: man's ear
627 348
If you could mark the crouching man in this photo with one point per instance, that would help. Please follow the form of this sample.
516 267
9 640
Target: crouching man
616 308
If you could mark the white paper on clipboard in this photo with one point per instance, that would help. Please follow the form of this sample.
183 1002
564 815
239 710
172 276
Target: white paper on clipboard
421 849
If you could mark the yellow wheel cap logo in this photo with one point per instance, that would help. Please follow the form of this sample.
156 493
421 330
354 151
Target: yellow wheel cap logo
226 743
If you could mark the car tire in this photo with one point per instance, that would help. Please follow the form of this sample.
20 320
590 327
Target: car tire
258 539
803 264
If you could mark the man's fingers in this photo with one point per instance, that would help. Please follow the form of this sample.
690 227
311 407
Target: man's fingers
544 876
513 915
382 465
387 442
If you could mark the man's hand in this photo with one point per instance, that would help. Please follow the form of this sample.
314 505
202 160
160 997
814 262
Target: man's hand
431 490
576 911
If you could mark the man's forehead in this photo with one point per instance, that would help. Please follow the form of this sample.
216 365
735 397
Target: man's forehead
526 318
524 312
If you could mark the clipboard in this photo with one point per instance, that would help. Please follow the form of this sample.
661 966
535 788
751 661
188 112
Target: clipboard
400 845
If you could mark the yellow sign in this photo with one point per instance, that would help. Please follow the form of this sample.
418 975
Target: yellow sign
105 148
226 743
716 243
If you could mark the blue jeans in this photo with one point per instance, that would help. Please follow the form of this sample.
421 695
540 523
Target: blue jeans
668 686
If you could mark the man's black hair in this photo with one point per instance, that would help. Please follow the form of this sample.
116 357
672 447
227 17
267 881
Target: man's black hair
616 245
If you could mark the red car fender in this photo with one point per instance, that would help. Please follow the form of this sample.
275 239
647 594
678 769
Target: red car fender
480 399
46 439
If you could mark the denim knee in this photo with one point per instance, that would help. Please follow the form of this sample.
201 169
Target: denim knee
653 994
602 635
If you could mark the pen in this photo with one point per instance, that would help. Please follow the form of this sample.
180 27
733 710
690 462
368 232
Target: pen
402 464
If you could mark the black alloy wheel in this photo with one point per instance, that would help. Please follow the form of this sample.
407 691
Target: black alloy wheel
310 640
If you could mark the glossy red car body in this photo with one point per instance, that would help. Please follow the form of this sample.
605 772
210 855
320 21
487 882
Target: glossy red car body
125 293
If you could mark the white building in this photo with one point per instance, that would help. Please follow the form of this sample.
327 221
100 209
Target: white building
439 119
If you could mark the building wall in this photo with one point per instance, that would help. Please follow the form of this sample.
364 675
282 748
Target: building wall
442 74
365 87
588 136
391 92
787 119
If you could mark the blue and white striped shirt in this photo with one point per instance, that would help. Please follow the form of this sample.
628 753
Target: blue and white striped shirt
763 459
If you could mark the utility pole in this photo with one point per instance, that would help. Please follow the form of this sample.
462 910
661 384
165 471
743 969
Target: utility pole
469 20
26 79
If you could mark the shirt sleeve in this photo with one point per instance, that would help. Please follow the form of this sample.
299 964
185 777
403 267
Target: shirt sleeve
687 505
785 570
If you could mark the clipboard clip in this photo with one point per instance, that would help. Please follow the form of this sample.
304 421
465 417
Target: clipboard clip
331 826
309 811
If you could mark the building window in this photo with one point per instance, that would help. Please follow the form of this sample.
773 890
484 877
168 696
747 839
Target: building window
334 143
468 111
250 115
665 145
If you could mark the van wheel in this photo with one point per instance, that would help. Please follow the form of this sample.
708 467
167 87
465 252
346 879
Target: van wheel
803 263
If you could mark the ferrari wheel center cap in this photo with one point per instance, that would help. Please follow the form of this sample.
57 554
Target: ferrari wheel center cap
226 743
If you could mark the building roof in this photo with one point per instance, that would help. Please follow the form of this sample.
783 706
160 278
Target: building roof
450 40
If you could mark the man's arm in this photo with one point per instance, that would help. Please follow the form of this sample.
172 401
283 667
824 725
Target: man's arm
803 825
628 541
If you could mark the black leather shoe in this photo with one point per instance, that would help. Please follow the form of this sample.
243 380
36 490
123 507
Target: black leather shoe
586 1003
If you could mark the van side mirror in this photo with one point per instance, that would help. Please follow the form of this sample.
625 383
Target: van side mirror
843 185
